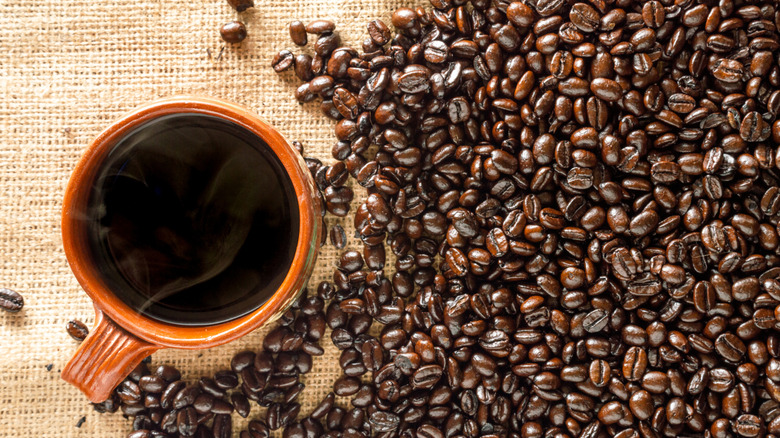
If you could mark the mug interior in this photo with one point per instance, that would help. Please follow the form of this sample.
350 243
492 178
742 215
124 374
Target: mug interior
172 332
192 220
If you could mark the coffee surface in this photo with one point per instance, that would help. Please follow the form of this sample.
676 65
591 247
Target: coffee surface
192 220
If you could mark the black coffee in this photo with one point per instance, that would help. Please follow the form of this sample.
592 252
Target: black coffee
192 220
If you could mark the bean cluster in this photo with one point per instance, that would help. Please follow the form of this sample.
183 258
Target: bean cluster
581 200
163 405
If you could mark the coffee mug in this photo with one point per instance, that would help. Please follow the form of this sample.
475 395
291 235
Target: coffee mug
189 222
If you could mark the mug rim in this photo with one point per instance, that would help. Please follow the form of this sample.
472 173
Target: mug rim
181 336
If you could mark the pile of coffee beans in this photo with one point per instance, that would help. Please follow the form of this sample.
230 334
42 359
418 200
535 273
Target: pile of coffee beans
580 201
163 405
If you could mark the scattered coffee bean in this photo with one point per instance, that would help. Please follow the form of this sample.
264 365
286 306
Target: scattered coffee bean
283 61
241 5
298 33
233 32
77 329
11 301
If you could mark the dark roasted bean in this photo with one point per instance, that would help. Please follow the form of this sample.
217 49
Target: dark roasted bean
187 421
379 32
234 32
77 329
298 33
606 89
241 5
222 426
11 301
585 17
320 27
338 237
754 128
283 61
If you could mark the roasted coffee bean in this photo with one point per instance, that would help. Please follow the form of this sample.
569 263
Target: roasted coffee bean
320 27
753 128
187 421
346 386
327 43
600 372
283 61
221 407
235 32
436 52
11 301
302 67
635 363
653 14
730 347
77 329
168 373
414 81
749 425
338 238
345 102
240 403
151 384
241 5
384 421
426 376
186 397
595 321
727 70
585 17
203 403
379 32
606 89
223 380
298 33
242 360
222 426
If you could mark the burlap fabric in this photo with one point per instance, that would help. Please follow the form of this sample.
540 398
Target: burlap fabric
67 69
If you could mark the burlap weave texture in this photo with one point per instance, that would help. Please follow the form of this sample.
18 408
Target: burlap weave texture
68 68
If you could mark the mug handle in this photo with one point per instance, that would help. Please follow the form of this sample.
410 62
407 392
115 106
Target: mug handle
105 358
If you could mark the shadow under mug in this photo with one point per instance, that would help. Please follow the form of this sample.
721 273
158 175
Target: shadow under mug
122 337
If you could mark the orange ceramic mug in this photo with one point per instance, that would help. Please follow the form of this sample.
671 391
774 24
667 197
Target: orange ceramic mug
122 337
